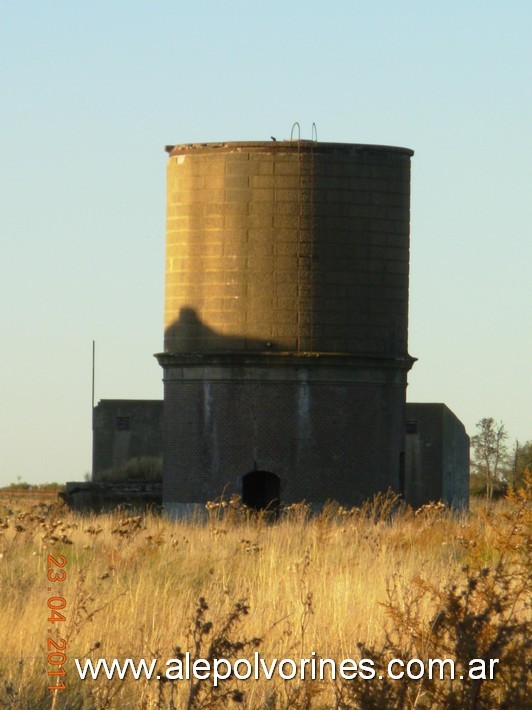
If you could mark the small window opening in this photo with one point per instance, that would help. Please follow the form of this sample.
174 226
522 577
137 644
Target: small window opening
411 426
123 423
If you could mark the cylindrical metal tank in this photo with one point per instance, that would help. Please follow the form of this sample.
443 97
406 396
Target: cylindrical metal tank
293 246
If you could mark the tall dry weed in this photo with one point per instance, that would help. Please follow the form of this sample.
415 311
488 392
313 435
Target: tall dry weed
378 581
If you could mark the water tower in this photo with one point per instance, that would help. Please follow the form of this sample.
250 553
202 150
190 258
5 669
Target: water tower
286 320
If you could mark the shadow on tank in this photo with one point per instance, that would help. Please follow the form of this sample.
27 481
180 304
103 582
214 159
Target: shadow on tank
188 333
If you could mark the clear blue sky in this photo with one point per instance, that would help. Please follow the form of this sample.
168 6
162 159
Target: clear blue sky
90 92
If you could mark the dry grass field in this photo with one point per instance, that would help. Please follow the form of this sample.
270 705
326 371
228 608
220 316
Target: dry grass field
379 582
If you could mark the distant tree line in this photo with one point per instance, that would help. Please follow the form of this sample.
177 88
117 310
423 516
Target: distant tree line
21 485
495 465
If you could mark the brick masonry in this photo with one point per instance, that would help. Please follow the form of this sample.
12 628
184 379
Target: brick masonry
125 429
328 430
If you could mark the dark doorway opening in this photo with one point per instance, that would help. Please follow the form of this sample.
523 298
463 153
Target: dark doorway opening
261 490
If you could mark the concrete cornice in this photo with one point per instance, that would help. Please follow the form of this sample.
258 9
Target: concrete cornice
287 359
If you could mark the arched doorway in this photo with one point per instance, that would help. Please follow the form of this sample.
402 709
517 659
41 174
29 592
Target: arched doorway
261 490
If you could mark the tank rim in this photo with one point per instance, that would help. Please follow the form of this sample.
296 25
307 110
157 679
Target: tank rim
290 145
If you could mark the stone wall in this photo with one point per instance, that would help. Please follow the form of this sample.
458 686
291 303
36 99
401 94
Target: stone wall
327 429
437 446
125 430
437 456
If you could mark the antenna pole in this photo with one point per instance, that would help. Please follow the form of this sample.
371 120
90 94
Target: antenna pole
93 368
